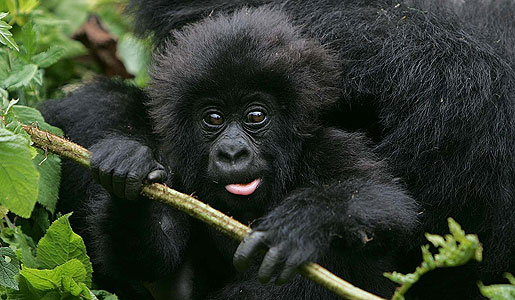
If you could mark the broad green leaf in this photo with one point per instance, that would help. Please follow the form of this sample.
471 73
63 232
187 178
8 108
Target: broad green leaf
15 126
62 282
135 55
60 244
28 38
5 69
41 219
18 177
49 57
20 78
50 279
59 283
31 116
3 95
21 243
8 268
6 37
49 167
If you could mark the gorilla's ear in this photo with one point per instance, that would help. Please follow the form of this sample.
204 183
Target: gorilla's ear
160 17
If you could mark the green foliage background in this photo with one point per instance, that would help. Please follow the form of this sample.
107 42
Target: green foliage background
40 58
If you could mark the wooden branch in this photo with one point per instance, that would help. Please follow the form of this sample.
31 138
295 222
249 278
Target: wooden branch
198 210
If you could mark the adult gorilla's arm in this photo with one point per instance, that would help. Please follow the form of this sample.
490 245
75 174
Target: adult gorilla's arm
347 195
160 17
128 240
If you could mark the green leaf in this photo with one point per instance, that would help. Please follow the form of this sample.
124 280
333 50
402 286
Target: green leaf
5 68
21 243
135 55
49 167
38 78
28 38
18 177
8 268
60 244
20 78
454 250
499 291
6 37
59 283
49 57
31 116
44 280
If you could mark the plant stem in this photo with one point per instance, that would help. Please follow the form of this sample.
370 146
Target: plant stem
197 209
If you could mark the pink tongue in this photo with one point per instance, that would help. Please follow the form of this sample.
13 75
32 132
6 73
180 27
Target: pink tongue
243 189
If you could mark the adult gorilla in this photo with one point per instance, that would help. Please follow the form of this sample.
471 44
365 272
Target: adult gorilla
431 85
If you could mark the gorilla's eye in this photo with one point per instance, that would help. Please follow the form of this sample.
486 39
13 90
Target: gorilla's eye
256 117
214 119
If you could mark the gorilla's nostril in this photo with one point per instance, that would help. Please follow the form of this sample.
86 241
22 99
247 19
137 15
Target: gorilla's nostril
233 153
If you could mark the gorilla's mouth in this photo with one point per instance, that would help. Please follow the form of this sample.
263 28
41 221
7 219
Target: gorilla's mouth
243 189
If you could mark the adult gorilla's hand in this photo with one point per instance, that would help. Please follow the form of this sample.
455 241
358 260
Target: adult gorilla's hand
121 165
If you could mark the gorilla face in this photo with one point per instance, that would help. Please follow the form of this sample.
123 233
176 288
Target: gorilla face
232 100
240 167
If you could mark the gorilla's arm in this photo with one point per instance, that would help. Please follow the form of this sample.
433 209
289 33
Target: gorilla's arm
347 197
160 17
127 240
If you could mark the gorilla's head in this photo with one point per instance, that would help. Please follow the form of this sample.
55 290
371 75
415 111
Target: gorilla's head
232 99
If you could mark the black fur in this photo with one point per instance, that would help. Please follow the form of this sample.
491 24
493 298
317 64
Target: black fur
432 84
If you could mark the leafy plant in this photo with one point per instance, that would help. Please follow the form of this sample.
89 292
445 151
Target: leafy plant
499 291
35 45
60 268
454 250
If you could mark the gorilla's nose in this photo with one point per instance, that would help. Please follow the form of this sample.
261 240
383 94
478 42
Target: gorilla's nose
233 154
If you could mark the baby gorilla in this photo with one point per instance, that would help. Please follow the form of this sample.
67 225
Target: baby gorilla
231 115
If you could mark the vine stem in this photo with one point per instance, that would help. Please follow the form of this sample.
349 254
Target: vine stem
197 209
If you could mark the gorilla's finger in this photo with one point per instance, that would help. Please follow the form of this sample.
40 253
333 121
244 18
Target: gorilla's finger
94 174
119 185
289 269
156 176
105 177
252 244
133 186
270 265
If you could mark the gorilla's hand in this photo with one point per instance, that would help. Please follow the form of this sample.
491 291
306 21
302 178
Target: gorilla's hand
291 235
121 165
